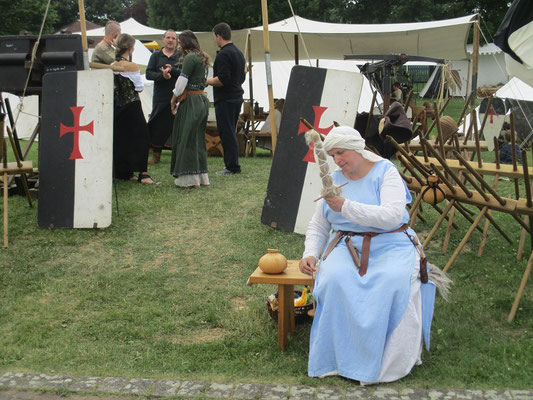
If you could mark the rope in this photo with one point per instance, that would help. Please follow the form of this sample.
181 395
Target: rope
300 33
20 106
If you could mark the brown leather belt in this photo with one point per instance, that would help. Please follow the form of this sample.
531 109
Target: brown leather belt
183 96
367 237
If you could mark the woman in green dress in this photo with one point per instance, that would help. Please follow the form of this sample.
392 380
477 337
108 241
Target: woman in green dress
190 106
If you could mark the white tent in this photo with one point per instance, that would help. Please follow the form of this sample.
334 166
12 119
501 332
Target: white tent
132 27
445 39
516 89
491 68
438 39
281 71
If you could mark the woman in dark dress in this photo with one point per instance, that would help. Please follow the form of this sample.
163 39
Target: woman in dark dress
190 105
130 132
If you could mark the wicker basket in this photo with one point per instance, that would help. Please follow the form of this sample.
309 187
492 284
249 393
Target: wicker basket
300 313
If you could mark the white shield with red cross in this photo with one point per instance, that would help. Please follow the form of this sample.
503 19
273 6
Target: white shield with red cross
321 96
495 118
76 150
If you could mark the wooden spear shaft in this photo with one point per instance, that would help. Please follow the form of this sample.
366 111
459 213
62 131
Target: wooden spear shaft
475 60
266 39
83 29
439 222
465 239
250 76
4 155
521 289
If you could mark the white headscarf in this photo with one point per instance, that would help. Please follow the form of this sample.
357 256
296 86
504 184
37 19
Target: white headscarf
344 137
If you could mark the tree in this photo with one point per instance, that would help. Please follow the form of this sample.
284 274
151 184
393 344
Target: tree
137 11
396 11
27 15
101 11
239 14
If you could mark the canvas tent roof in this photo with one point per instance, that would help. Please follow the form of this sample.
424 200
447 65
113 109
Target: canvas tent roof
515 89
132 27
437 39
324 40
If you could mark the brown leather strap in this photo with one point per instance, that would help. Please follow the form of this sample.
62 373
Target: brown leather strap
353 251
333 243
362 264
182 97
365 253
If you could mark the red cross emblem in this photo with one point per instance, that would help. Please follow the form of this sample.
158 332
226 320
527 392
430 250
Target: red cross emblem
76 129
310 156
492 114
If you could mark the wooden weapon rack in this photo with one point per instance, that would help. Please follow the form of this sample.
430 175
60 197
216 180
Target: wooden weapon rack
466 179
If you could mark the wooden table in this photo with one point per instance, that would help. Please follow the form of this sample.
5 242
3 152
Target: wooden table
285 281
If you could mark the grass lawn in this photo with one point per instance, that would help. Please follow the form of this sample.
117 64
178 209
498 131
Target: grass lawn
162 293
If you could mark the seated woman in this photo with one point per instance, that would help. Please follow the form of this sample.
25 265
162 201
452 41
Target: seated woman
372 309
191 107
130 132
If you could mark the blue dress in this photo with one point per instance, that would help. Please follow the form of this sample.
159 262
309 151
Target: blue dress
356 315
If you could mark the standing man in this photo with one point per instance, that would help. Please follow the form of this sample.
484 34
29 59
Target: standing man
104 52
163 68
228 77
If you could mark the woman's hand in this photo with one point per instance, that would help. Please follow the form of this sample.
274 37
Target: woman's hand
335 202
307 265
174 104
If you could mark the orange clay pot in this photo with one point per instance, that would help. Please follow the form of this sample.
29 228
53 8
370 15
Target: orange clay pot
273 262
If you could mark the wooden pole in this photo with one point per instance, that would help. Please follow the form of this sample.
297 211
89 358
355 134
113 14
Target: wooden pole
521 289
439 222
475 61
487 222
266 39
4 156
83 30
250 75
296 50
465 239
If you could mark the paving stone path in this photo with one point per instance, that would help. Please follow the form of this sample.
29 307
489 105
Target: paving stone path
20 386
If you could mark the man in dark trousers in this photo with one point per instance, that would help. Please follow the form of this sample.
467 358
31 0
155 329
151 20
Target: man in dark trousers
164 69
228 77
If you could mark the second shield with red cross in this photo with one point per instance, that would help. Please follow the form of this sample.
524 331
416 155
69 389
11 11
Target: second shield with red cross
76 150
321 96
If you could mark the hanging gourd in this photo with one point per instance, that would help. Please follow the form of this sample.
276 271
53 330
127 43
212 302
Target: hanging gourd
433 192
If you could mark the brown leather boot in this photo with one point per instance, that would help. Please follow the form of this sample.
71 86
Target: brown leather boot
156 157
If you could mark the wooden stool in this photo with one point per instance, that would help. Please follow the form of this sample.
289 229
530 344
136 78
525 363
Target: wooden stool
285 281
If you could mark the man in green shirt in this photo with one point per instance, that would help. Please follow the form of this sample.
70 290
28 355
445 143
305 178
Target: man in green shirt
104 52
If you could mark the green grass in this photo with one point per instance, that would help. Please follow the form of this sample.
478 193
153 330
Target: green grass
162 293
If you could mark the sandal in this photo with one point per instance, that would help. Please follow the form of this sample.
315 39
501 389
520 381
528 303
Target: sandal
133 178
146 176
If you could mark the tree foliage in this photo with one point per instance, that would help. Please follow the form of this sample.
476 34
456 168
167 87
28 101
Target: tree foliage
27 15
202 15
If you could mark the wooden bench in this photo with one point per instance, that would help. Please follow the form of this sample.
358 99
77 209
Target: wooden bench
285 281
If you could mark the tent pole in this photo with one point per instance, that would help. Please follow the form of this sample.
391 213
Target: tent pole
296 53
83 29
252 117
266 39
475 60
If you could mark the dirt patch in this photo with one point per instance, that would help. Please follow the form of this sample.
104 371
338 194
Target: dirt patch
206 335
238 304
